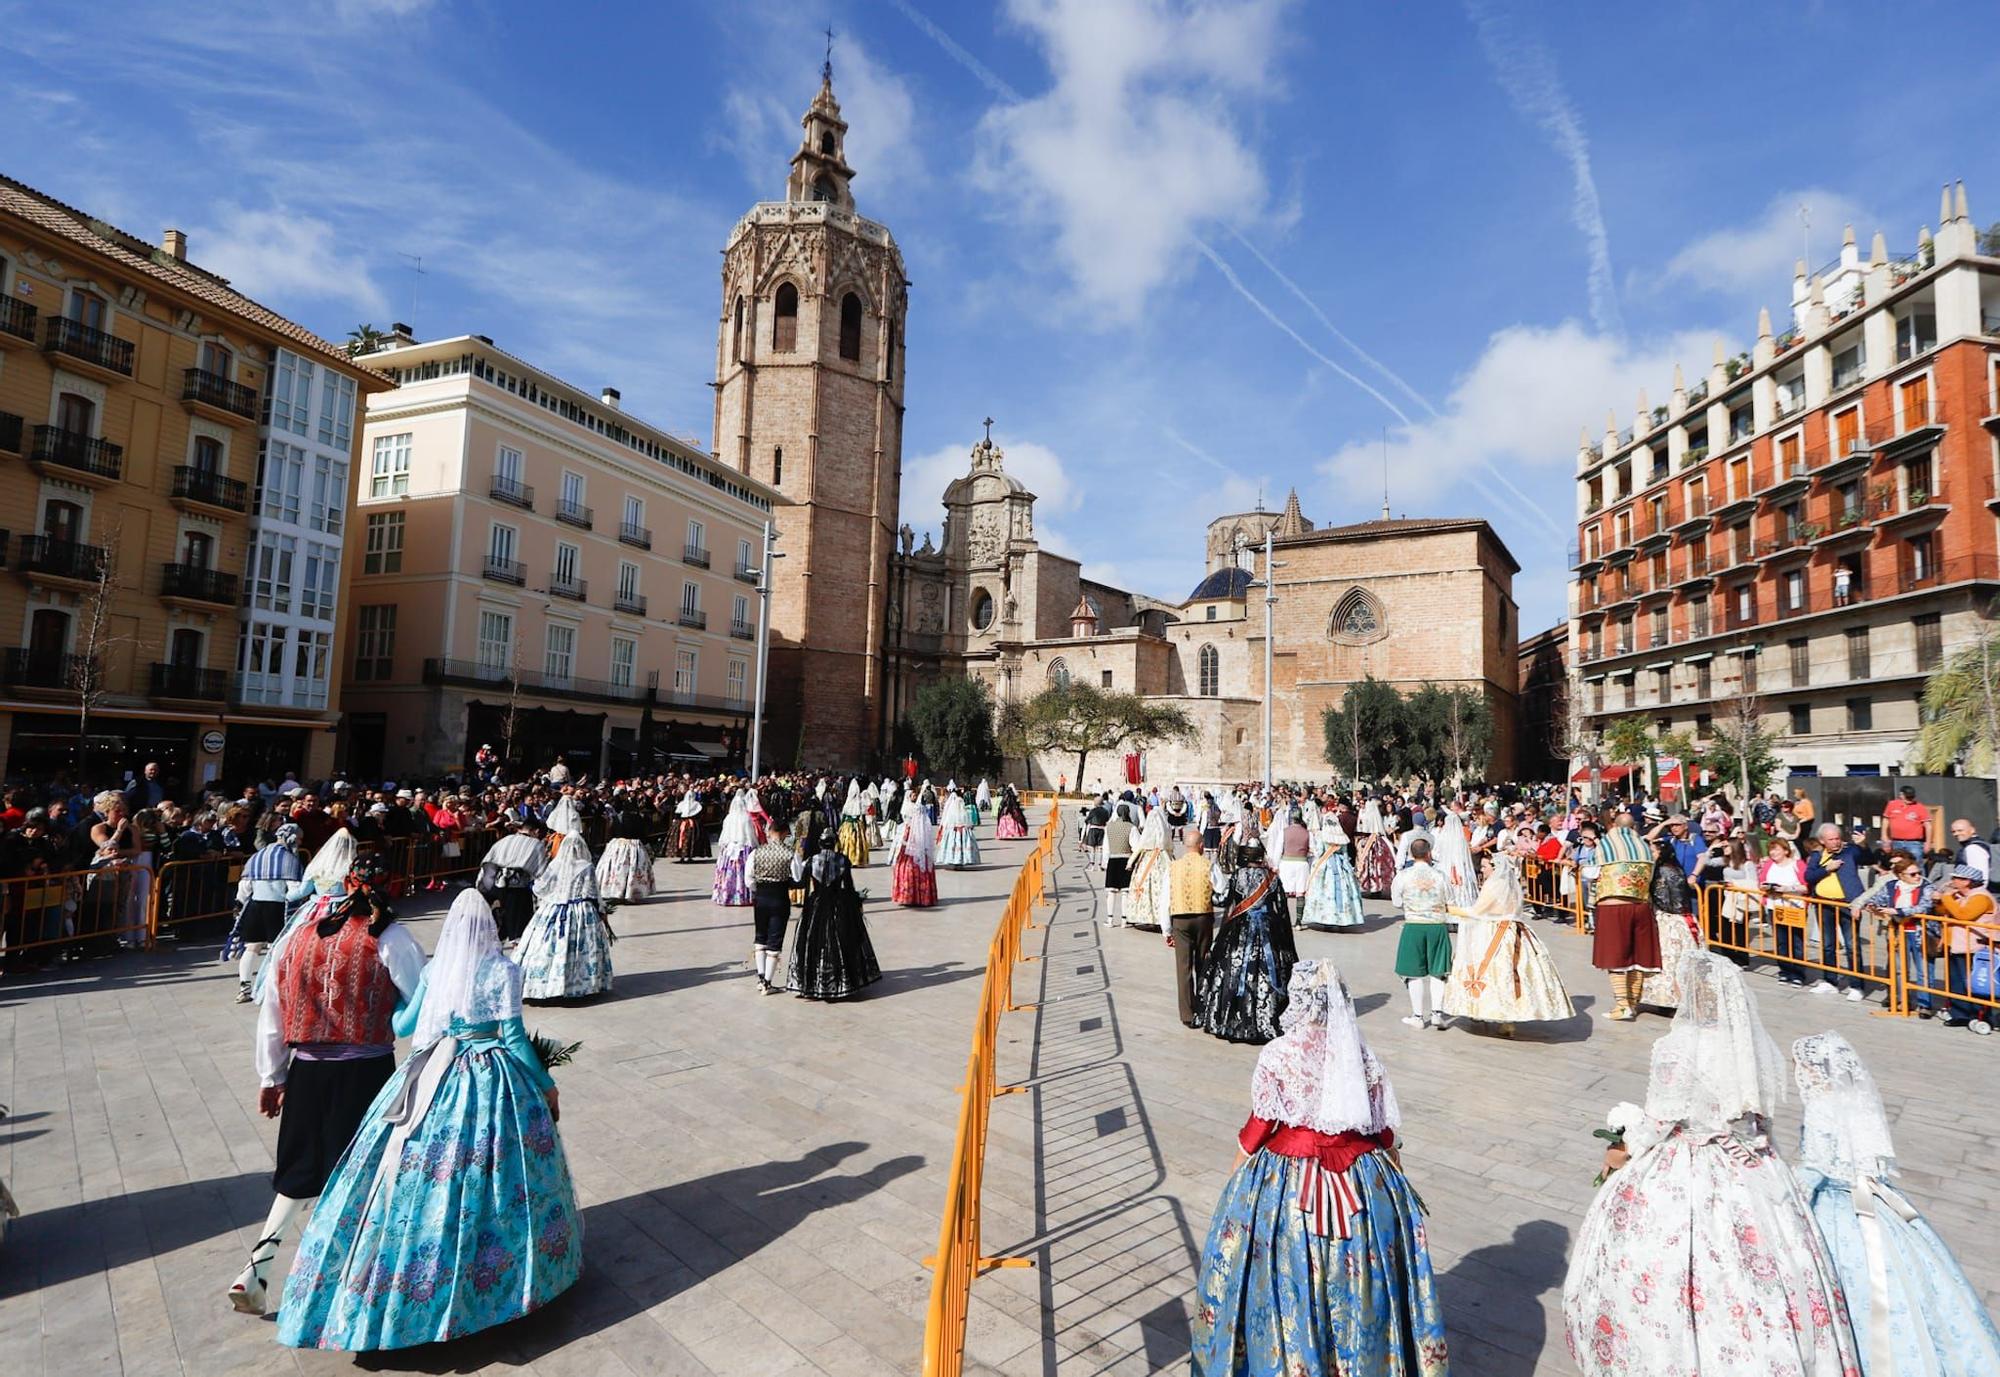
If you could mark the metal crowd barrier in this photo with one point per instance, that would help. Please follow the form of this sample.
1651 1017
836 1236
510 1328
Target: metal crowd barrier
958 1258
91 911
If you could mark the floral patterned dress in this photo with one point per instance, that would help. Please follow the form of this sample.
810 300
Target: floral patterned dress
461 1218
1700 1257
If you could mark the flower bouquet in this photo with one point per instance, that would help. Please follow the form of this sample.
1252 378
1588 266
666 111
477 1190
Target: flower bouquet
1623 1116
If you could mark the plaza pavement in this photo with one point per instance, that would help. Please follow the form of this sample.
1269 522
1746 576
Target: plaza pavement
762 1176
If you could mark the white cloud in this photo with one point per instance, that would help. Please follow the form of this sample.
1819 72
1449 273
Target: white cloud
1527 73
1757 258
926 476
1135 149
1509 430
268 254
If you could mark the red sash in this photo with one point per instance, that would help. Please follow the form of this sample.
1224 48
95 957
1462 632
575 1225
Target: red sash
1245 905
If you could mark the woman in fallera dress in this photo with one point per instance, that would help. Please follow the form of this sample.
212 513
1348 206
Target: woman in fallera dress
1147 894
1674 915
1333 898
1375 865
913 861
832 957
566 951
1242 985
958 843
1912 1309
854 826
1012 824
1698 1254
452 1210
1500 972
1317 1263
625 870
732 854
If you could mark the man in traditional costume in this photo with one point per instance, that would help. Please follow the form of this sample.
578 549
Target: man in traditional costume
1626 941
1423 951
325 1045
267 882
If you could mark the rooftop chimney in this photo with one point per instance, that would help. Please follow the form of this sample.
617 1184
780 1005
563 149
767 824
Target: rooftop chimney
609 396
400 333
174 244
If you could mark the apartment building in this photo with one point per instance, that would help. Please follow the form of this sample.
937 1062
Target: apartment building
539 571
1810 530
137 394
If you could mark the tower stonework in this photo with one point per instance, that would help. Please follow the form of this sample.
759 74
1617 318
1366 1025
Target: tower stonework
809 398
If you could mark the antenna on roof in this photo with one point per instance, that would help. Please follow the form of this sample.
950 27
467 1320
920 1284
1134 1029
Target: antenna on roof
416 268
1385 473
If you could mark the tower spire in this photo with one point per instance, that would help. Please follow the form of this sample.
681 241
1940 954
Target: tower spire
819 169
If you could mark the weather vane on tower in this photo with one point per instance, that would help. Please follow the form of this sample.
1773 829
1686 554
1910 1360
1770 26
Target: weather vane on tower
826 67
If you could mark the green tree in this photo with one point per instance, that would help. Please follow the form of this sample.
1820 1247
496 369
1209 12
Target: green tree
1423 734
363 339
1961 713
1628 740
1079 719
1741 747
953 722
1364 734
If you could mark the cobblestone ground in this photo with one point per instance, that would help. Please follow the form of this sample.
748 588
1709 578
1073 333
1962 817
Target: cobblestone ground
762 1177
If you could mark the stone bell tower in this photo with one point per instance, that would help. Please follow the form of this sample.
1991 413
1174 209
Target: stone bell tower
809 398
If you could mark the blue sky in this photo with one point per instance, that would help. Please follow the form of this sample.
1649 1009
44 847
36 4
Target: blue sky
1181 252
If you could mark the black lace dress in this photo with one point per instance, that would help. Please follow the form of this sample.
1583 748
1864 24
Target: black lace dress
1241 991
832 957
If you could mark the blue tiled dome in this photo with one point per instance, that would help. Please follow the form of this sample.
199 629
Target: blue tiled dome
1223 583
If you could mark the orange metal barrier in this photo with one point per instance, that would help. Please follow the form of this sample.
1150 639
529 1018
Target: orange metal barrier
1937 959
1810 937
87 911
958 1258
1556 889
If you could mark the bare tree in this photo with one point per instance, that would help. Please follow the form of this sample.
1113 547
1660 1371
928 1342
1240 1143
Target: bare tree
1740 744
86 673
1572 736
513 705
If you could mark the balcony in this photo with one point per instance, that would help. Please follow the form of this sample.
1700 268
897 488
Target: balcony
189 683
1789 484
1697 628
632 534
692 619
570 586
98 352
211 394
506 570
511 491
60 453
498 679
1789 540
48 560
206 490
1698 569
10 432
747 573
635 603
195 583
17 322
1728 508
1805 606
742 631
25 668
1653 534
574 513
695 555
1694 517
1916 507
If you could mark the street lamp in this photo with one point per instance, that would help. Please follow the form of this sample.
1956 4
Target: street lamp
1268 584
763 648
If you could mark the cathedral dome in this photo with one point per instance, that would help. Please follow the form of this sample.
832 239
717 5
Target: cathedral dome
1223 583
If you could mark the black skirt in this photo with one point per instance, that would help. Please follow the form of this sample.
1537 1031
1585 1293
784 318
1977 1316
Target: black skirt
263 920
1118 872
325 1102
832 957
512 908
1241 995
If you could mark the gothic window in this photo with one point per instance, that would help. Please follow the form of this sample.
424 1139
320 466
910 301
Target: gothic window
982 610
785 319
1058 673
736 334
850 326
1357 618
822 189
1210 671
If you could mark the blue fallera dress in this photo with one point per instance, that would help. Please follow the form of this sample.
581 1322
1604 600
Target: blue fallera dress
1277 1297
1333 896
958 845
458 1218
565 953
1937 1325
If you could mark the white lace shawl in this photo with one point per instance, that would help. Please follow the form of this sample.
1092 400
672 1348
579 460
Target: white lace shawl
736 828
1320 1072
571 876
1715 1063
1369 820
851 808
468 977
1846 1134
1152 832
330 864
564 818
954 813
1452 852
1500 896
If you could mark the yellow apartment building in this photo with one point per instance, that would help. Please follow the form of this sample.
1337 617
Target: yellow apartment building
146 556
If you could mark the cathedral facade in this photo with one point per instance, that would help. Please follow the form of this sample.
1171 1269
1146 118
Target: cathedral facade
1411 602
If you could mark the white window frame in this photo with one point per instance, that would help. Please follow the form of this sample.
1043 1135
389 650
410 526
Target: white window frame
509 464
336 410
624 661
697 535
567 554
495 655
495 542
559 665
734 686
690 596
381 554
687 670
628 579
635 511
389 466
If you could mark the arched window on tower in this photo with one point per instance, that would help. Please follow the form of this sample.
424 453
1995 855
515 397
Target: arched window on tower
1058 673
822 189
850 326
778 467
785 319
826 142
736 333
1209 671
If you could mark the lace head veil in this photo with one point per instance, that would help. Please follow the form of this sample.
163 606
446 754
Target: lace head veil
329 866
571 876
1152 832
736 828
468 977
564 818
1320 1072
1500 896
1715 1063
1846 1129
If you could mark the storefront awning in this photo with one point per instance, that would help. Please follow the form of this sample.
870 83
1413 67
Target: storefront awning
1609 774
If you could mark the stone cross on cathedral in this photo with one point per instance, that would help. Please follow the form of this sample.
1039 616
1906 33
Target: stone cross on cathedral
989 430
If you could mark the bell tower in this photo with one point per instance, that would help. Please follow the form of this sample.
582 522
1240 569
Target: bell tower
809 398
